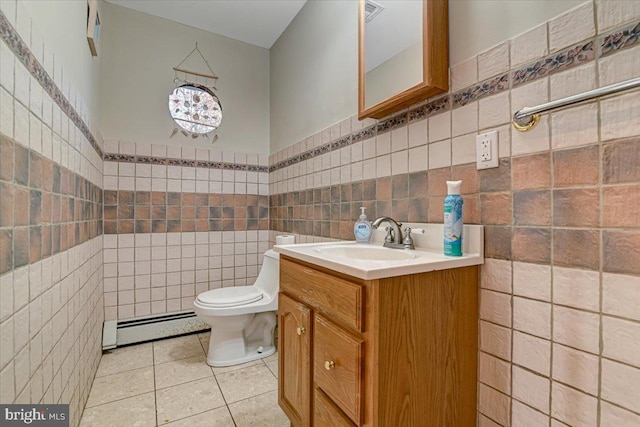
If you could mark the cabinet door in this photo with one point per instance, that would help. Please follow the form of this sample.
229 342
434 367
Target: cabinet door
294 359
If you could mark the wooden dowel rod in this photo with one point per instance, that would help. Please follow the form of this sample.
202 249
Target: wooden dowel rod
209 76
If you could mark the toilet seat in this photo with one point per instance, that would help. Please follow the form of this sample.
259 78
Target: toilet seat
229 297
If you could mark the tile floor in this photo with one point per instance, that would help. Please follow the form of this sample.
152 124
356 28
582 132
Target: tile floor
169 383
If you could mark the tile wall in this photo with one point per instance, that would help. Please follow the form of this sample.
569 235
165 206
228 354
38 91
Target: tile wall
560 287
157 273
50 224
176 226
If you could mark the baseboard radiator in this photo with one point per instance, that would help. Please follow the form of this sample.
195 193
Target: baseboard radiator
117 333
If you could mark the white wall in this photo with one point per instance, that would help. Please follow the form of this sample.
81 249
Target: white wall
314 63
62 26
476 25
140 52
394 75
314 79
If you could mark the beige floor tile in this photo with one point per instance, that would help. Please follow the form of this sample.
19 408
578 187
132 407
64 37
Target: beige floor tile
187 393
271 358
273 367
181 371
176 349
122 385
137 411
216 418
188 399
248 382
204 335
226 369
260 411
125 359
204 341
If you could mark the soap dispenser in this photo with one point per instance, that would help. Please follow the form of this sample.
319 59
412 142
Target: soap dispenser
362 228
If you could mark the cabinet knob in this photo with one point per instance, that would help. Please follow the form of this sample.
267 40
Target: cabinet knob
301 330
329 365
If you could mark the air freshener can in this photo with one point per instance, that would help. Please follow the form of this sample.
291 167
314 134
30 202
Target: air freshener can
453 220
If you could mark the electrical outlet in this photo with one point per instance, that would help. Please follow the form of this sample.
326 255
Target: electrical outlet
487 150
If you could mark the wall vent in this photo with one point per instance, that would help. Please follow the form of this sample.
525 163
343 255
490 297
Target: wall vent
371 10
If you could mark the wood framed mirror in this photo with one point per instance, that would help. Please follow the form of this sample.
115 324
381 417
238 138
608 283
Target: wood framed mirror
403 54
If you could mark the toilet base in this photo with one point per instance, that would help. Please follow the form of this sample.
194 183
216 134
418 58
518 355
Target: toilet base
241 338
251 354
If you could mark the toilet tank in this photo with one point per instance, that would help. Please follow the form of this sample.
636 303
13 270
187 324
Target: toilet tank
269 277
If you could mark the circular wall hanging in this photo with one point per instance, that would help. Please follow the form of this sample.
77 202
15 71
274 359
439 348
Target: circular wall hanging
195 108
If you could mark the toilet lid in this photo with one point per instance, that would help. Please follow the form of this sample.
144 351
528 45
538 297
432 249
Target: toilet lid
230 297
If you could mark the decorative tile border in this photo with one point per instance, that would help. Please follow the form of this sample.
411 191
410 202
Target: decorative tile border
623 38
119 158
481 90
620 39
149 160
323 149
341 142
363 134
560 61
392 123
296 159
19 48
422 112
438 105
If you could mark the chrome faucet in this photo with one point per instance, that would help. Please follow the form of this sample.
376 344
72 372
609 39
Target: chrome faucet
394 239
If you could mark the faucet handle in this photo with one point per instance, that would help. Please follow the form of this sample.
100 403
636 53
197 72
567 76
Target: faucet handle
407 234
389 237
408 240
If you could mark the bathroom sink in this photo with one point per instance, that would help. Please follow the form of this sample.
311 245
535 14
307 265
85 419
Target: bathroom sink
373 261
365 252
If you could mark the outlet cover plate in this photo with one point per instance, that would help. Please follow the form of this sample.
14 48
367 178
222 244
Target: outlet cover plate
487 150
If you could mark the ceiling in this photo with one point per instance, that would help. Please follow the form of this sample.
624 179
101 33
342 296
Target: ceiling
259 22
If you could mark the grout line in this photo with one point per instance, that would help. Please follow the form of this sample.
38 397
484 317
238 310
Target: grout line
617 405
601 146
252 397
120 399
224 399
552 229
155 385
512 303
548 416
125 371
194 415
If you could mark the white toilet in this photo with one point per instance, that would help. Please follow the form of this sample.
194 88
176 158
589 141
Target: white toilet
242 318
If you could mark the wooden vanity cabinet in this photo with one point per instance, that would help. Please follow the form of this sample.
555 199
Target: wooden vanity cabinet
390 352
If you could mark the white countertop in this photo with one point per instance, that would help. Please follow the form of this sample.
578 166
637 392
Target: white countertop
428 254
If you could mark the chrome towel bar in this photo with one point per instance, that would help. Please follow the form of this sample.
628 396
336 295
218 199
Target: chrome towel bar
528 117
